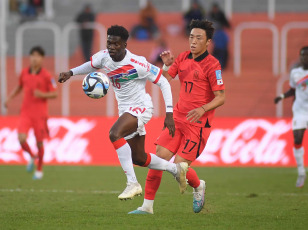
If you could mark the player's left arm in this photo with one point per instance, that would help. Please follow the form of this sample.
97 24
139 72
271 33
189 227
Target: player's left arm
45 95
154 74
51 89
167 95
218 100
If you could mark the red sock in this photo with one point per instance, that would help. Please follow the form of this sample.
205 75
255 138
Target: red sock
40 158
152 183
192 177
26 147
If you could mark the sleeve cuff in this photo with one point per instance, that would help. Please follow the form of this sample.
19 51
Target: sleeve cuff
169 109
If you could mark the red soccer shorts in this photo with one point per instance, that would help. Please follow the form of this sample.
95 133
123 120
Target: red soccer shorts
38 124
188 141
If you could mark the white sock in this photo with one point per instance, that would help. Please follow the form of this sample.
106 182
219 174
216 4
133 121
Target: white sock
125 158
299 156
148 204
161 164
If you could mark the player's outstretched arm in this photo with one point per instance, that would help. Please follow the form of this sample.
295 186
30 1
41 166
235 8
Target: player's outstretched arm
195 114
13 94
82 69
168 59
289 93
167 95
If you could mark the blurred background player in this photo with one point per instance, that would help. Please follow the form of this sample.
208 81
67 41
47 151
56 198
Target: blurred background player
86 34
202 91
299 89
128 74
38 86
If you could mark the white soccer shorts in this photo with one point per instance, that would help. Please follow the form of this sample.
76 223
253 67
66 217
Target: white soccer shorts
143 115
299 122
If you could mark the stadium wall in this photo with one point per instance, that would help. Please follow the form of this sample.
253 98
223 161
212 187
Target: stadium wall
261 142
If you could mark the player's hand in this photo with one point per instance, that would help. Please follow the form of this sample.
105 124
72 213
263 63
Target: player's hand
64 76
195 114
277 99
167 57
169 124
38 94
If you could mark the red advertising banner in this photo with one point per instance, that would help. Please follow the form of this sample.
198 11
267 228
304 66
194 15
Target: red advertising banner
85 141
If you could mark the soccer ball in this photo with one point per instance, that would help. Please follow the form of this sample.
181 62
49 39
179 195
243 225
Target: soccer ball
95 85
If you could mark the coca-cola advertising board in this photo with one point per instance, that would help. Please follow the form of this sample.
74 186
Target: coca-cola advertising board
85 141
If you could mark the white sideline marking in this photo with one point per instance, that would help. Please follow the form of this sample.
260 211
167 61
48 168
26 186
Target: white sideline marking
117 192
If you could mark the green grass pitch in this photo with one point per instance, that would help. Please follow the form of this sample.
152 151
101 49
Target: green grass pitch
71 197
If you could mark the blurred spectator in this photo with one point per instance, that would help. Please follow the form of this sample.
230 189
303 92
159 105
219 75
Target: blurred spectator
86 34
217 16
156 51
195 12
220 38
220 51
147 29
30 9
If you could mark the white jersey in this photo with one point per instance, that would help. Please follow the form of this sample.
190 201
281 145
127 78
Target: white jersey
128 77
299 81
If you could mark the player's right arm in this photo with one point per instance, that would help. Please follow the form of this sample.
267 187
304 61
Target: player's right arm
168 60
13 94
82 69
290 92
86 68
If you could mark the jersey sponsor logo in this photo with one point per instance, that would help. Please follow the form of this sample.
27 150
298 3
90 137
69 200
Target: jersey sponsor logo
138 62
154 70
219 82
218 74
196 75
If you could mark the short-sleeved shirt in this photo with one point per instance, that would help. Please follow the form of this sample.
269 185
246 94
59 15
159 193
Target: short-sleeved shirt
299 81
43 81
128 77
199 78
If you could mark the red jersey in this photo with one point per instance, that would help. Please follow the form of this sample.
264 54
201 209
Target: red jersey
43 81
199 78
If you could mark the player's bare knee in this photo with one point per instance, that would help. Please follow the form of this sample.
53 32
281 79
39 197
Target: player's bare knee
297 141
163 153
114 135
22 139
39 144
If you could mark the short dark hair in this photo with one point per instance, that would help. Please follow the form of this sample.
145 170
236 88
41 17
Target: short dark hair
120 31
37 49
206 25
303 48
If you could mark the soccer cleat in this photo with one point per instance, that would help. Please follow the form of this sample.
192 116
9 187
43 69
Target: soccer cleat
182 169
141 210
30 165
300 181
199 193
131 190
38 175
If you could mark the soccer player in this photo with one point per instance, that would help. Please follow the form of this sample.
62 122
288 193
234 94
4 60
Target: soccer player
299 89
201 92
38 86
128 74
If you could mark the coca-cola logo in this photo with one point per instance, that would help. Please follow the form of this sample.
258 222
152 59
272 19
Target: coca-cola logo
65 145
255 141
